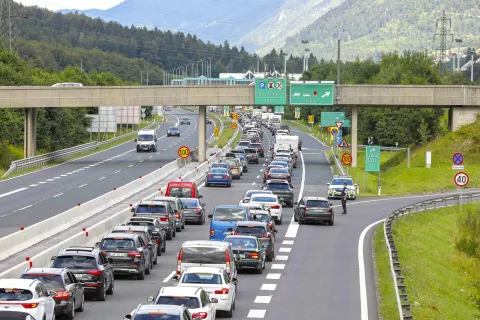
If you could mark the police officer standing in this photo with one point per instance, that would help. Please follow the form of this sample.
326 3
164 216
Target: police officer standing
344 198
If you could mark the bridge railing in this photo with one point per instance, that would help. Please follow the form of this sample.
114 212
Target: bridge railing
404 307
27 163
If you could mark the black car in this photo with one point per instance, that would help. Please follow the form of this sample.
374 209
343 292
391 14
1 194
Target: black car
252 155
91 268
69 295
259 148
146 235
129 253
194 210
261 231
248 252
162 210
153 223
173 131
282 189
315 209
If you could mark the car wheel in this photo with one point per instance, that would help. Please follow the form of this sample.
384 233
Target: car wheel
174 233
159 251
164 246
280 221
179 229
331 222
141 275
156 259
229 313
259 270
71 314
101 293
82 305
290 204
300 221
269 257
169 235
295 217
183 225
207 185
229 185
112 288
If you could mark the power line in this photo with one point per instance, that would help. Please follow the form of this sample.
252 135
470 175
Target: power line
445 27
8 32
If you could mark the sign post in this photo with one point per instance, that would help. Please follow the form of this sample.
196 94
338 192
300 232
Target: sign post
216 132
458 161
297 113
183 152
233 126
235 116
311 120
311 94
372 162
461 179
271 92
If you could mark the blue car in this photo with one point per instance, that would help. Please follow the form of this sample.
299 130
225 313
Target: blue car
223 165
224 219
218 176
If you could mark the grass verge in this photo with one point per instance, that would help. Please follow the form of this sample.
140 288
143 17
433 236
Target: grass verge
438 277
397 179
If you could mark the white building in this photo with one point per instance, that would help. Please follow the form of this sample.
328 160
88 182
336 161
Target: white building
260 75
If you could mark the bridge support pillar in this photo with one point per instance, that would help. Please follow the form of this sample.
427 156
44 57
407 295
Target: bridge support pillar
354 135
202 133
459 116
30 133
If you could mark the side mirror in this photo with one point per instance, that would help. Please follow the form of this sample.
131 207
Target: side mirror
200 196
295 202
53 258
210 216
127 316
234 280
52 293
97 244
132 209
155 139
150 299
110 260
330 204
175 278
214 300
276 231
135 140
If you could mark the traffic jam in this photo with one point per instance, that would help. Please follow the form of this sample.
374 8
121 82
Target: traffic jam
204 285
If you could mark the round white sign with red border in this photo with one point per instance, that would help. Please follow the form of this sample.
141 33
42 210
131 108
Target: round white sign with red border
461 179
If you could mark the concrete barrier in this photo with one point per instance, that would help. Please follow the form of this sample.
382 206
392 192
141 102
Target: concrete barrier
97 231
40 231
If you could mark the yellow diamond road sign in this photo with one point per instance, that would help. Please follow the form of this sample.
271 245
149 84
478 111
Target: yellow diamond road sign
216 131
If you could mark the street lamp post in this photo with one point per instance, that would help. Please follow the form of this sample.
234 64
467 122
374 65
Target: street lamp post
304 42
471 68
459 55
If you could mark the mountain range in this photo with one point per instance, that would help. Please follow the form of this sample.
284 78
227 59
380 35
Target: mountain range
366 27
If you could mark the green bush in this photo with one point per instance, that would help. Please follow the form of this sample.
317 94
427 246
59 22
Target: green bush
468 238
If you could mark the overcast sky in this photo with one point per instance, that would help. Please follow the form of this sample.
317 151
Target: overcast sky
71 4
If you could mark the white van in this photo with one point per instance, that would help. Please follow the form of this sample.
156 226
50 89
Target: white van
146 140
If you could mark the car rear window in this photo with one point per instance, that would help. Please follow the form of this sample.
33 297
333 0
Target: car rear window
218 171
189 302
75 262
244 243
149 208
50 281
280 163
262 217
249 194
263 199
156 316
254 230
255 145
244 143
278 170
317 204
250 150
203 278
277 186
13 294
229 214
207 255
150 225
117 243
190 202
181 192
17 315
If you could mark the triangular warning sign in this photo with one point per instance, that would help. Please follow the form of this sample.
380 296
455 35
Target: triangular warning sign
339 124
343 144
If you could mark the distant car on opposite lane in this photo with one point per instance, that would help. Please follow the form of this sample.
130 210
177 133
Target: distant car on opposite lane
185 121
173 131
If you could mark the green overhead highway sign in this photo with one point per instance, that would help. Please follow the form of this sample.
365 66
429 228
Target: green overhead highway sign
312 94
279 109
328 119
372 158
270 92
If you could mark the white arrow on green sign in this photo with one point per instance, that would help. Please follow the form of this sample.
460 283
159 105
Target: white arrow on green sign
312 94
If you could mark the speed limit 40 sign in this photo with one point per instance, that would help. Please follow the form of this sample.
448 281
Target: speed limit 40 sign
461 179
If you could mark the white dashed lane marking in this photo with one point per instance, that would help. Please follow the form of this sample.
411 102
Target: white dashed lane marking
268 287
281 258
83 185
288 242
12 192
57 195
118 171
285 250
257 314
101 178
263 299
274 276
33 185
278 266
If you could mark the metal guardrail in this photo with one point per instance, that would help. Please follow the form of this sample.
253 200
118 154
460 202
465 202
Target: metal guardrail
27 163
404 307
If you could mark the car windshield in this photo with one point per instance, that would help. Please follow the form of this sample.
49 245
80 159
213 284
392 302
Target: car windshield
262 217
229 214
231 162
254 230
204 278
189 302
278 170
317 203
117 243
263 199
12 294
243 243
212 255
192 203
181 192
145 137
149 208
218 171
349 182
173 129
186 119
75 262
50 281
156 316
278 186
249 193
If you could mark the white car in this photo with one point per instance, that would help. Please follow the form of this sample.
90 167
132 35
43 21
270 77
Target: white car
255 207
29 296
248 194
271 202
195 299
216 282
336 186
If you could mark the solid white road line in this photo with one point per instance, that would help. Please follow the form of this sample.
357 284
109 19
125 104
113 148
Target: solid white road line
21 209
268 286
170 276
278 266
274 276
293 226
12 192
288 242
33 185
285 250
257 314
263 299
101 178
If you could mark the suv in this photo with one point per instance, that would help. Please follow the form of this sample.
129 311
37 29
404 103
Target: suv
129 253
170 312
90 267
163 210
260 230
36 299
313 209
252 155
243 144
177 206
282 189
146 235
259 148
185 121
68 292
146 140
158 233
336 186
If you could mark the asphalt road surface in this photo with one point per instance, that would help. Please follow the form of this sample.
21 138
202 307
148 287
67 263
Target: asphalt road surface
31 198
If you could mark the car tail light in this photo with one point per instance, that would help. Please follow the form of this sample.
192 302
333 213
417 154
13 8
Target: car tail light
197 210
212 232
265 235
234 233
329 210
202 315
306 208
226 176
164 219
227 258
254 255
261 149
275 207
270 225
105 253
210 176
254 155
135 254
179 261
158 242
30 305
97 273
222 291
62 295
177 215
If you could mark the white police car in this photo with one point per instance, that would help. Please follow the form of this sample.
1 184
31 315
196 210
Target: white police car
336 186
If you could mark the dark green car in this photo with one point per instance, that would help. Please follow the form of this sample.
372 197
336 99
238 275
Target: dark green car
248 252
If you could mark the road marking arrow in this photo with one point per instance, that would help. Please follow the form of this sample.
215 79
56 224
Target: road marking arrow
326 94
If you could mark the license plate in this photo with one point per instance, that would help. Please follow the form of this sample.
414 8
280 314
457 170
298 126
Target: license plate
117 254
240 256
217 177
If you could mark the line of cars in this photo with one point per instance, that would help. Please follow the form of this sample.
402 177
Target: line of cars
80 272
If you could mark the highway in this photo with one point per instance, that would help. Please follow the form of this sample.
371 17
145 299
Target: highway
33 197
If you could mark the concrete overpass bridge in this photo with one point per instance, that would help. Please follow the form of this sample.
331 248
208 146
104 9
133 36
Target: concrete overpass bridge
463 101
